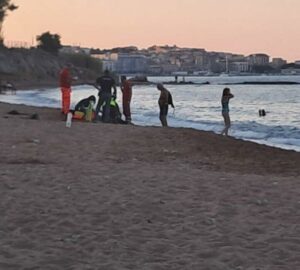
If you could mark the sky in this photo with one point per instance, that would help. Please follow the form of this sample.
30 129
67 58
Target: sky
238 26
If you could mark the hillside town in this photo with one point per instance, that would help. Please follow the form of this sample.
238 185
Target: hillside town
173 60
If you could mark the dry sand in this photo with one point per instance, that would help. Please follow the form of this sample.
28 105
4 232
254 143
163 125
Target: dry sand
101 196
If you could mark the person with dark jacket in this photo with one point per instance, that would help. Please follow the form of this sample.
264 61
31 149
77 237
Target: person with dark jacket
164 101
106 83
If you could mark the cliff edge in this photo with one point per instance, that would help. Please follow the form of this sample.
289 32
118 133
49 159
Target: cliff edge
27 68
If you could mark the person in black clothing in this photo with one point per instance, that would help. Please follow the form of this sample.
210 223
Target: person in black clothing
115 114
84 103
106 83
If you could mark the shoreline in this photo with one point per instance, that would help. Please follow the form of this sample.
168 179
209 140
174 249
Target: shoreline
265 143
29 85
54 114
43 86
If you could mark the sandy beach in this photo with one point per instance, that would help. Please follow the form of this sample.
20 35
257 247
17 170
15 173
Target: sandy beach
114 197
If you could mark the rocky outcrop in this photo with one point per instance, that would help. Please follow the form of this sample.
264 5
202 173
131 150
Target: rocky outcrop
29 67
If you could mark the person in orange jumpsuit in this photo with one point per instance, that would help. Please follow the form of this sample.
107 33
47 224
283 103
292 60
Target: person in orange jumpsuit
126 88
65 85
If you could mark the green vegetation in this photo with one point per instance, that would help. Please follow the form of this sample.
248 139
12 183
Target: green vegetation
49 42
5 6
84 61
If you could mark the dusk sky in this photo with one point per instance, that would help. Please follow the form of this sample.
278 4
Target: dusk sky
240 26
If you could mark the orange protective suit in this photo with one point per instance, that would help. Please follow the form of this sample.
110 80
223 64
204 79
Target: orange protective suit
65 84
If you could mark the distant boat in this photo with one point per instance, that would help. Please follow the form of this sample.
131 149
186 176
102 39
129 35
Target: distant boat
185 83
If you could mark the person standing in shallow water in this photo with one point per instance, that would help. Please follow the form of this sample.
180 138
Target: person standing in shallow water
126 88
164 100
225 110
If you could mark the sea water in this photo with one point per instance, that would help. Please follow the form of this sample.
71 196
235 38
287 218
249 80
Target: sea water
199 106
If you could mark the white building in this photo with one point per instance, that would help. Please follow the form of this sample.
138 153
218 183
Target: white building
259 59
132 63
278 62
240 67
75 50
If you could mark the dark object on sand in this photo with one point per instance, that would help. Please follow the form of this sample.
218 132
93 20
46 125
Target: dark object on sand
34 116
14 112
262 112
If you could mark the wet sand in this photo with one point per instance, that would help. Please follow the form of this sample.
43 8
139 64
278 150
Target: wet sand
102 196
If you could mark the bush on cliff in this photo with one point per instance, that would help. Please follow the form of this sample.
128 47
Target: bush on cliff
84 61
49 42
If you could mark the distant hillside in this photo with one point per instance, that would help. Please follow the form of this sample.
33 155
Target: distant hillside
27 68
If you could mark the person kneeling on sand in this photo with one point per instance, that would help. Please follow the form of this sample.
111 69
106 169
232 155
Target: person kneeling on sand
164 101
85 109
115 115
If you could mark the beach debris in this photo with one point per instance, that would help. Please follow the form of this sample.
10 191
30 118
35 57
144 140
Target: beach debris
166 151
34 116
69 120
36 141
210 221
70 239
261 202
14 112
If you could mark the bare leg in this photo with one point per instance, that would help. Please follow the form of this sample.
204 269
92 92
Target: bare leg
163 120
227 124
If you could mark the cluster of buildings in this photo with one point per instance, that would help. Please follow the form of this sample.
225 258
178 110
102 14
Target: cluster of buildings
172 60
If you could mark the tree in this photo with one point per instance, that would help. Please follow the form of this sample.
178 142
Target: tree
49 42
5 6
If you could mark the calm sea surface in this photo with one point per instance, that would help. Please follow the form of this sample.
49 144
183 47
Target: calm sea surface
198 106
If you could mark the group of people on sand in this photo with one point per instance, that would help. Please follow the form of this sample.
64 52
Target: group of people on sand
108 106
